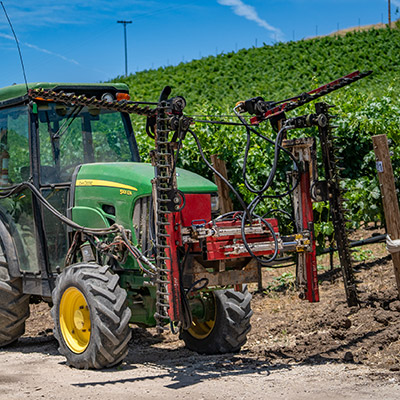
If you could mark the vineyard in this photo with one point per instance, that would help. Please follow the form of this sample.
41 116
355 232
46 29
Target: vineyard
326 346
212 86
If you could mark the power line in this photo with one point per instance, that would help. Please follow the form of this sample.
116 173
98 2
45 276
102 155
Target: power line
126 51
16 41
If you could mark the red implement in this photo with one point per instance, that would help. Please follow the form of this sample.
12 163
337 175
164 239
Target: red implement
229 243
304 98
172 264
312 293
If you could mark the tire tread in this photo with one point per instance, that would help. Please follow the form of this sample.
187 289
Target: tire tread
231 327
110 316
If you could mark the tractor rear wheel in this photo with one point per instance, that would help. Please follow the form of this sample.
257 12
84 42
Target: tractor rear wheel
223 325
14 305
91 316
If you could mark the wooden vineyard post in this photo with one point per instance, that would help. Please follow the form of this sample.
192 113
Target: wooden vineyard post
223 190
389 196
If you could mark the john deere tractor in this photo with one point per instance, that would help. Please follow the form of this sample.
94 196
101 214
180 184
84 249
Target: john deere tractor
105 239
108 241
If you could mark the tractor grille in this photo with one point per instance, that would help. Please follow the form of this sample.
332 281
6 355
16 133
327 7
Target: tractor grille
141 223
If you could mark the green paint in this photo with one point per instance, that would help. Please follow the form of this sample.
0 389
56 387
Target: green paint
138 175
88 216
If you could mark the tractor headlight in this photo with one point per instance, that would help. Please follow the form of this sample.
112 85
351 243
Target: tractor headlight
214 203
107 97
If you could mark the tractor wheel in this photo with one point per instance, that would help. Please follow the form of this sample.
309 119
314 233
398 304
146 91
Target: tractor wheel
14 305
224 324
91 316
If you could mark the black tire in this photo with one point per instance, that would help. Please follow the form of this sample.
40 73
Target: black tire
230 326
108 333
14 305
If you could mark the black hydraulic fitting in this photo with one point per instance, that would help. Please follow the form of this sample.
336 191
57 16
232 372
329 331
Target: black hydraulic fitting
256 105
304 121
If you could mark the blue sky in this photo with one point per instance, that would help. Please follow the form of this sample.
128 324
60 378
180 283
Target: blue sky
76 41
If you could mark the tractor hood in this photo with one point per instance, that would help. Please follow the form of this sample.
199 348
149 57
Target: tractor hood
107 193
136 177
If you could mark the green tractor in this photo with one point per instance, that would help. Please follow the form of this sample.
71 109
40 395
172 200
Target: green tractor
107 240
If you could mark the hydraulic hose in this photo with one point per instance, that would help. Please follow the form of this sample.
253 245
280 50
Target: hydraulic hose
7 192
240 199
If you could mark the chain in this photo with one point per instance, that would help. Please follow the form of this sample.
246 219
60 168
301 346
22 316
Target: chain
82 100
162 160
330 87
298 101
332 172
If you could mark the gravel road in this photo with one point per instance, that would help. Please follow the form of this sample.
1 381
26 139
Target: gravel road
32 369
295 350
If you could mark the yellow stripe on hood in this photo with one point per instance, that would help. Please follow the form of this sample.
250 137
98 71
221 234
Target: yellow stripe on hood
98 182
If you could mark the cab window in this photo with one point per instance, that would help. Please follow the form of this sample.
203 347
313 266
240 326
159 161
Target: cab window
70 136
16 211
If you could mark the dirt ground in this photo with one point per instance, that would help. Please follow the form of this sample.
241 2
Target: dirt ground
295 349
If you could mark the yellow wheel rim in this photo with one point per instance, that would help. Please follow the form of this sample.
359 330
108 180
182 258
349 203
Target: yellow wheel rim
200 329
75 320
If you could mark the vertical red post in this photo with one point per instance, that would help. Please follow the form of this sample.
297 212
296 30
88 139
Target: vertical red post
174 287
312 293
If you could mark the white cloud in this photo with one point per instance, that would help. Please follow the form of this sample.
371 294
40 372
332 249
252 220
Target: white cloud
249 12
32 46
7 36
26 13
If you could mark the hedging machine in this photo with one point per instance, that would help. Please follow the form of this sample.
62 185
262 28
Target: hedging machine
107 240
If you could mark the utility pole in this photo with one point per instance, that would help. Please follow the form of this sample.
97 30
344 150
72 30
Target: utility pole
389 14
126 51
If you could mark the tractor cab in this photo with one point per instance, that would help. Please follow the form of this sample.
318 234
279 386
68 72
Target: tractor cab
43 142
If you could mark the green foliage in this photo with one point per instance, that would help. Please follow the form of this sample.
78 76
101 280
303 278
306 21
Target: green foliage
363 255
281 283
213 85
274 72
